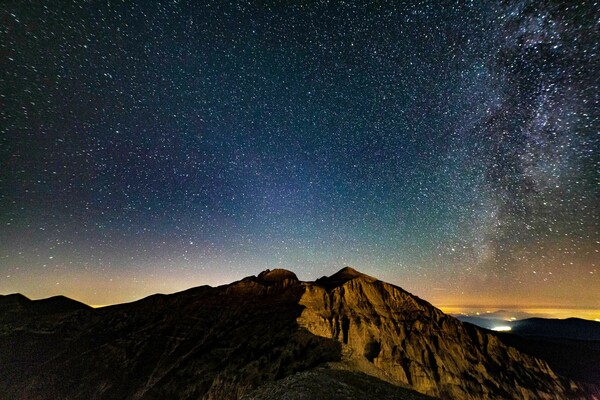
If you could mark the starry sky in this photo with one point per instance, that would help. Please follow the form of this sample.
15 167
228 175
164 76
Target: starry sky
449 147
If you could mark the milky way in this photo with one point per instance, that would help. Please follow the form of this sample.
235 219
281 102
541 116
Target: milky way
448 147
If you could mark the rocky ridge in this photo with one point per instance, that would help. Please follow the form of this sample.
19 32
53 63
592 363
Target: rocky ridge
265 331
415 344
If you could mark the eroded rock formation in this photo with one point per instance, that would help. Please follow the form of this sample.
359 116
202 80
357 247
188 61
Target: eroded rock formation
416 344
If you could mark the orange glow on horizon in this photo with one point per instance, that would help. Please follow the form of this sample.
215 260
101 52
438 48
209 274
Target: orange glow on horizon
541 312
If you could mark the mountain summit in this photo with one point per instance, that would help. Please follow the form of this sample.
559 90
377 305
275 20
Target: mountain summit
348 273
344 336
276 275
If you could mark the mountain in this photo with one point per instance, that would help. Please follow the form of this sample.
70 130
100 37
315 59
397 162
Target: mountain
570 346
269 336
570 328
16 307
52 305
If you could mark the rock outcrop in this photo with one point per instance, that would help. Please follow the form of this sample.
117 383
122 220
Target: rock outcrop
231 341
276 275
415 344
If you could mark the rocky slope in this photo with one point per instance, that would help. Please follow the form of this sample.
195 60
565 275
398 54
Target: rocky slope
418 345
261 337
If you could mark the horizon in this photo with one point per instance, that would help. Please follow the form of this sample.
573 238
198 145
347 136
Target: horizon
479 310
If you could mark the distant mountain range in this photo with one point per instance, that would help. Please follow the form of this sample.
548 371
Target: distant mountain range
570 328
271 336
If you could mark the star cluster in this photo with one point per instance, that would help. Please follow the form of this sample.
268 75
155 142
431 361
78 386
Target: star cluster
448 147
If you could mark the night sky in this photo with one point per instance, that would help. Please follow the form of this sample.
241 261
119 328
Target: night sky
451 148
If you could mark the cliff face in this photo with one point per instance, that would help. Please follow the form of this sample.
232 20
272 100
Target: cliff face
224 342
416 344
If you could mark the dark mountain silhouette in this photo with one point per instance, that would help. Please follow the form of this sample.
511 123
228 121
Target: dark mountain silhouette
52 305
344 336
570 328
15 308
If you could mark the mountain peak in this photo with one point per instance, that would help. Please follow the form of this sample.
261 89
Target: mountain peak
15 297
348 272
10 301
276 275
342 276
